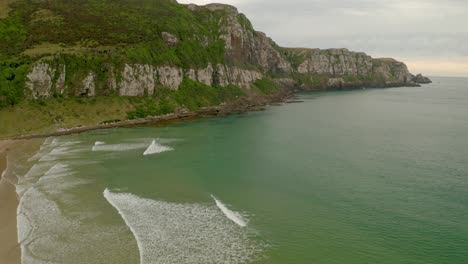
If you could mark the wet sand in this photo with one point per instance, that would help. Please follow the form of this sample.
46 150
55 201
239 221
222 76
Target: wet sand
9 248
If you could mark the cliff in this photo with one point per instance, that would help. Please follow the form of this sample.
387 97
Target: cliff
152 48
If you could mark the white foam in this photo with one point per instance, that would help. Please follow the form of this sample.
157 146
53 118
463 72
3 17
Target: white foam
115 203
233 216
44 149
49 235
53 225
182 233
118 147
156 148
97 144
49 216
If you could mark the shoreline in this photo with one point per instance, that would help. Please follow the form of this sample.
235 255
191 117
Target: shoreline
10 250
9 247
241 105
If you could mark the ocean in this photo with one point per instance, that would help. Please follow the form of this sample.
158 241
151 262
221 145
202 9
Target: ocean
363 176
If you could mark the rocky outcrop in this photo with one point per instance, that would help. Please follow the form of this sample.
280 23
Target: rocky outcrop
170 77
205 76
421 79
39 80
137 80
170 39
225 76
346 69
334 62
392 72
88 88
244 45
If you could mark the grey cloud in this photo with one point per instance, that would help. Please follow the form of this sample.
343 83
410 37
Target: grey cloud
410 27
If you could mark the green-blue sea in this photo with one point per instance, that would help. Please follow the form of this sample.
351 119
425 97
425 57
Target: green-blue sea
364 176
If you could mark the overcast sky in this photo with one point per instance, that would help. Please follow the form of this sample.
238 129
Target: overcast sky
431 36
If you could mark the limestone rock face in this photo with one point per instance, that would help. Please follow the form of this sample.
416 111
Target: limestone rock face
205 76
170 77
170 39
334 62
353 69
239 77
40 80
88 88
269 57
60 84
392 71
224 75
191 74
137 80
244 45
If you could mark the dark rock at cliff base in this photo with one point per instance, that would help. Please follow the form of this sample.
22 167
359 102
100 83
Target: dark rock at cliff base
421 79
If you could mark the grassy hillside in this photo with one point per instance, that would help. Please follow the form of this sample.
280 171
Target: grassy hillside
90 34
117 23
48 115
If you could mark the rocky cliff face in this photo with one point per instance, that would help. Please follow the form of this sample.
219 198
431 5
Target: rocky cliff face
45 80
341 68
249 56
421 79
244 45
333 62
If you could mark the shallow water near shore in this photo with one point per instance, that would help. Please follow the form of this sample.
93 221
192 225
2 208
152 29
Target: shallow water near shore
368 176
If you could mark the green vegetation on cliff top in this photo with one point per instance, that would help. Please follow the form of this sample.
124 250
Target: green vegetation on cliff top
89 34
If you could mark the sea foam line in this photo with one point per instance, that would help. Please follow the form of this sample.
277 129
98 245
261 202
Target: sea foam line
233 216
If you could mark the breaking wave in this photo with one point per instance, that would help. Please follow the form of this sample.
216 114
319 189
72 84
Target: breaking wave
47 233
182 233
233 216
101 146
156 148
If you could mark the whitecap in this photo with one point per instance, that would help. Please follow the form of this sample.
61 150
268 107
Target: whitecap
156 148
118 147
97 144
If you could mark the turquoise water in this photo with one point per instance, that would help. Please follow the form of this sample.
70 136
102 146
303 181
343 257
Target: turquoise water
368 176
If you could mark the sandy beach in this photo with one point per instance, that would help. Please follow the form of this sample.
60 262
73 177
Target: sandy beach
9 248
